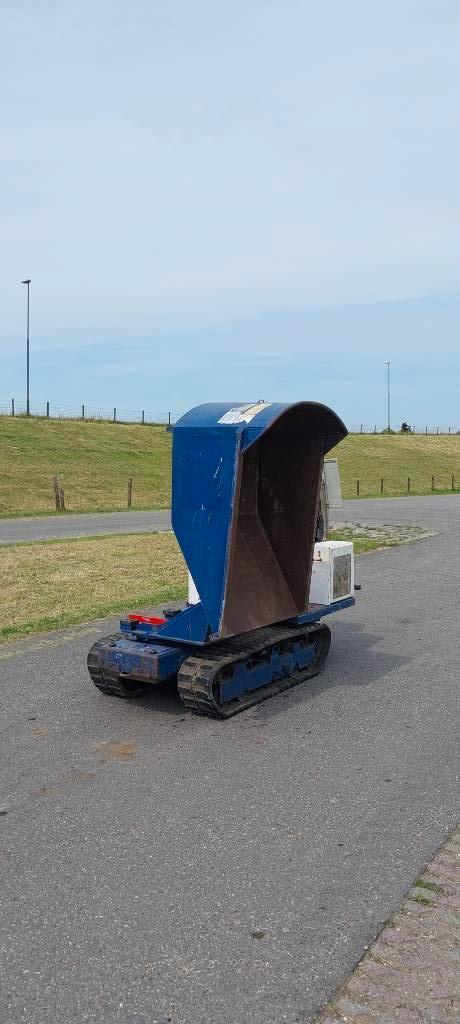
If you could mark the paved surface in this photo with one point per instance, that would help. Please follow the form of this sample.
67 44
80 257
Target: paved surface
94 524
410 974
426 510
437 512
162 867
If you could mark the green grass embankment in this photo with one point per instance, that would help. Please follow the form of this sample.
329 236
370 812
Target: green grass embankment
92 460
95 460
396 457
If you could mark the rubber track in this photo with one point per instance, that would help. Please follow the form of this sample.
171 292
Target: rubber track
108 682
197 675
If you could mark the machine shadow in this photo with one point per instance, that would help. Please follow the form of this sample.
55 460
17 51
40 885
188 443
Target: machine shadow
352 661
161 698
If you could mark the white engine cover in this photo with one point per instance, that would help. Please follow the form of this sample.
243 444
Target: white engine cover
333 572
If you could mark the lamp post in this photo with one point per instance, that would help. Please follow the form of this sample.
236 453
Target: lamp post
388 393
27 282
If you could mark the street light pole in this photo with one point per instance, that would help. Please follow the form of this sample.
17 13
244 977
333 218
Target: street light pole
27 282
388 393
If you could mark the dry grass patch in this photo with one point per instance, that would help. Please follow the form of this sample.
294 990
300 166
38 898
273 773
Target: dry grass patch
59 583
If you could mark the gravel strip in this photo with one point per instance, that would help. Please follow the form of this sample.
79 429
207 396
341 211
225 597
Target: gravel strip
402 533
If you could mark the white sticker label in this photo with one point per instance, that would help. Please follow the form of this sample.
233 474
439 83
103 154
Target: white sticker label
243 413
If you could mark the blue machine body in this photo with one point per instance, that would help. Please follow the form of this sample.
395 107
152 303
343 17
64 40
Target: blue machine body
245 494
245 490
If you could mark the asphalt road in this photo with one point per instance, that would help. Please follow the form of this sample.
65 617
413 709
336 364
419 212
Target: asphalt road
30 528
96 523
158 867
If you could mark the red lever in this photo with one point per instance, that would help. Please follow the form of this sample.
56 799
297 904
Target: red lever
154 620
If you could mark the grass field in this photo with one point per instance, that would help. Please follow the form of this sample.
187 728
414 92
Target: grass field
60 583
395 457
95 460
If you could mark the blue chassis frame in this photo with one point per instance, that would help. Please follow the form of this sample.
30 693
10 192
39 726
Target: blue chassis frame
145 651
185 627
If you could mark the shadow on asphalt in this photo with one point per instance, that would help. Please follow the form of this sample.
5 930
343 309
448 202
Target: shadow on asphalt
353 661
163 698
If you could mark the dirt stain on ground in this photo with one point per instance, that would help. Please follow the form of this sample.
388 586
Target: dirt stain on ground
76 775
79 776
39 731
120 751
47 791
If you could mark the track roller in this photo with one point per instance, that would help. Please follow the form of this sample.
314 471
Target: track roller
235 674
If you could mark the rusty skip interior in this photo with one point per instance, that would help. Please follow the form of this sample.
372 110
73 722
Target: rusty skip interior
274 523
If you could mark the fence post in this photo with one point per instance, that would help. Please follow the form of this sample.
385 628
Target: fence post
12 406
61 499
453 484
432 483
143 417
437 430
130 491
82 412
47 410
375 429
114 415
357 487
56 492
361 429
381 485
426 430
408 484
169 419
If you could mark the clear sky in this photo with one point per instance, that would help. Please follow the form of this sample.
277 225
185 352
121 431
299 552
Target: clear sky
232 199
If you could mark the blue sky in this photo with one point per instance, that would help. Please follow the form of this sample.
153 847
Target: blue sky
232 200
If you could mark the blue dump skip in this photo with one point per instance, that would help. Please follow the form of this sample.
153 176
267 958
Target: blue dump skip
245 490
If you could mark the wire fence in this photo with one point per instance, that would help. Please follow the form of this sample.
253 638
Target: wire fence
442 482
49 410
363 428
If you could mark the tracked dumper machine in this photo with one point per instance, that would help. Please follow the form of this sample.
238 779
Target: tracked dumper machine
246 484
